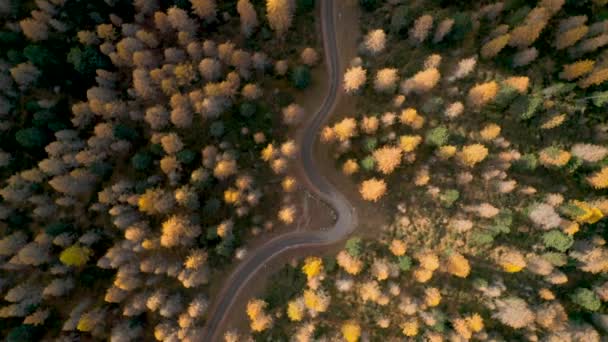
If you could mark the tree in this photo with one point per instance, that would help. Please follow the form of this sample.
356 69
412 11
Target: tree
375 41
586 298
566 39
354 79
351 331
280 15
368 5
25 74
472 154
386 80
422 82
437 136
558 240
482 94
75 255
300 77
249 18
492 48
178 230
34 29
387 159
313 266
205 9
31 137
87 60
421 29
372 189
353 246
458 265
599 180
514 312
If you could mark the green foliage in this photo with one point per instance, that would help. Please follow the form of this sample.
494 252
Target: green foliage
557 240
518 15
125 132
462 26
87 60
217 129
284 286
370 143
300 77
556 259
247 109
438 136
528 161
43 118
599 99
400 19
31 137
482 238
586 299
23 333
502 223
75 255
186 156
305 5
530 105
433 105
506 95
405 263
353 246
368 163
39 56
449 197
368 5
58 228
141 161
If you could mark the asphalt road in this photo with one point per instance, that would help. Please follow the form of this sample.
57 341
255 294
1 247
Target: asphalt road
346 219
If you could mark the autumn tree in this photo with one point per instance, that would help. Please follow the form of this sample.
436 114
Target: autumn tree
375 41
205 9
249 18
387 159
280 15
354 79
372 189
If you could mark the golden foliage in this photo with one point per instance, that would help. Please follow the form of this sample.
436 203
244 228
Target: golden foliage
599 180
422 275
350 264
458 265
350 167
280 15
519 83
598 77
447 151
554 121
398 247
345 129
369 124
313 266
492 48
410 117
552 156
287 214
316 301
372 189
482 94
295 310
351 331
387 159
432 296
475 322
472 154
490 132
512 261
288 184
570 37
409 143
410 327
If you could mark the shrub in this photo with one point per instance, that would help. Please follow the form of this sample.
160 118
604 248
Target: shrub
448 197
368 163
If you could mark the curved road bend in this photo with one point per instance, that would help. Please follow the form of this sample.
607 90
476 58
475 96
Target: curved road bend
304 240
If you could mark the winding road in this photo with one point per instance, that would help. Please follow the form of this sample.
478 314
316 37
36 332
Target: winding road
303 240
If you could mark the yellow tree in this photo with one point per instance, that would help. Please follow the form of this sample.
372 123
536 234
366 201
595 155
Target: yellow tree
351 331
372 189
492 48
482 94
280 15
387 159
313 266
577 69
599 180
345 129
458 265
473 154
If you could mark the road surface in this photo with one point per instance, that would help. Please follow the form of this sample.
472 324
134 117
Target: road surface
299 240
